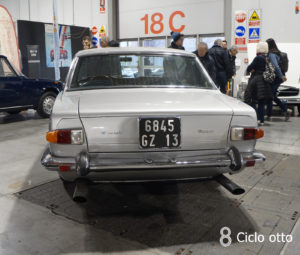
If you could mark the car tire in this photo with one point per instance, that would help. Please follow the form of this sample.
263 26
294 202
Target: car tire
14 112
46 104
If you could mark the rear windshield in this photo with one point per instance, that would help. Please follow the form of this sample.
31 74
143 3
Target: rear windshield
127 71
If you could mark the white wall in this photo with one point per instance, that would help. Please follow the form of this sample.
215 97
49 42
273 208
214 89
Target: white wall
201 16
278 21
86 12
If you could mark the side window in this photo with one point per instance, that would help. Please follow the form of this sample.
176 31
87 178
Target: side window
210 40
5 69
190 44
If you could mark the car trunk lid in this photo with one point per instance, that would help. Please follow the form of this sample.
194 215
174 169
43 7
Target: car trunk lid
110 117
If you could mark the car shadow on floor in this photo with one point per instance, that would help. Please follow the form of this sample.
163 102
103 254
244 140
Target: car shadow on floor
6 118
151 214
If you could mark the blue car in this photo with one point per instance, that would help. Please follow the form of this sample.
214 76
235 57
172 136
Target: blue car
18 92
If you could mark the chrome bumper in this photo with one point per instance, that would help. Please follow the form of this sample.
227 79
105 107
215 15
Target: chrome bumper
85 163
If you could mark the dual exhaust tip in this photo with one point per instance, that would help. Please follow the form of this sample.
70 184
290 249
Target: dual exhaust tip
229 185
81 190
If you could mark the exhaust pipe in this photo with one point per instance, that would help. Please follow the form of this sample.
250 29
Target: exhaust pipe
229 185
81 191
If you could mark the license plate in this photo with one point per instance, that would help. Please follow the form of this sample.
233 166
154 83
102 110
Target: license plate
159 133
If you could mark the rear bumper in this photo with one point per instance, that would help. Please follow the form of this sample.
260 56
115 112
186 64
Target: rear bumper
89 165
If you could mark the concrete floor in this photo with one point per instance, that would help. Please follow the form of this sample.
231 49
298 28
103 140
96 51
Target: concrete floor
38 216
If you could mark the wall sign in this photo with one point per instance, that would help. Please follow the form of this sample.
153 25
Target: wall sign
94 30
240 30
157 26
160 17
102 31
102 6
254 26
94 40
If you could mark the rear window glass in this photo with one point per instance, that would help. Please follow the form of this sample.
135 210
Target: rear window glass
111 71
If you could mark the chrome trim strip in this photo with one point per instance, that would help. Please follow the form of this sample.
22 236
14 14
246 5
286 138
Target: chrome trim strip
14 107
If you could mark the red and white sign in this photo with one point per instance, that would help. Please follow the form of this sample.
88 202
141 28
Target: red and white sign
240 30
254 23
240 16
102 6
240 41
94 30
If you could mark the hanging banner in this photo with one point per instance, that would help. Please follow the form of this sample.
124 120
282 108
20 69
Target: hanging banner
56 50
8 38
240 30
65 47
254 24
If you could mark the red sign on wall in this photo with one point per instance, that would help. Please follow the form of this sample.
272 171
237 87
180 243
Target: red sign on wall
240 17
240 30
94 30
102 6
240 41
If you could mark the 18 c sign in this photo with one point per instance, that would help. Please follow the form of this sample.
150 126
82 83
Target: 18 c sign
155 24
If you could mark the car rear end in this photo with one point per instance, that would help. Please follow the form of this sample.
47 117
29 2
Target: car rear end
149 133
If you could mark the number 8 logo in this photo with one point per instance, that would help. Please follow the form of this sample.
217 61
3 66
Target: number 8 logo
225 236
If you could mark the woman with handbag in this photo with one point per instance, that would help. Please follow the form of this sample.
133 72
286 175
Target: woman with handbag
274 56
259 89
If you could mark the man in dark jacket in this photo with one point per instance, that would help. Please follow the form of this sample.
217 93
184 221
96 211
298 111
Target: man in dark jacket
177 42
206 60
223 70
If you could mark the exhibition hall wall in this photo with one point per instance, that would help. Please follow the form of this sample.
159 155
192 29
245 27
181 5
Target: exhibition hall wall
278 22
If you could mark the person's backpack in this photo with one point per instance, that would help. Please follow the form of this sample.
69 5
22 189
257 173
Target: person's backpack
269 74
283 62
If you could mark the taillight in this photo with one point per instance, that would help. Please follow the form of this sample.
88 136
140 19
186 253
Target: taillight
240 133
65 136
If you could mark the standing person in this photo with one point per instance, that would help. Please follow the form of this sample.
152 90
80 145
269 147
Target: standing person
232 52
177 42
222 65
224 44
206 60
104 42
86 42
258 91
274 56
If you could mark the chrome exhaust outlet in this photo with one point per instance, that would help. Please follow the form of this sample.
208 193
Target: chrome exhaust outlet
81 191
229 185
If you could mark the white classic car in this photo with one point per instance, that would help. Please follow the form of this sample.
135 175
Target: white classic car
147 114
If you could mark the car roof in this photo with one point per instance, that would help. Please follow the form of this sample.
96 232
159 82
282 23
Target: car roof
133 50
